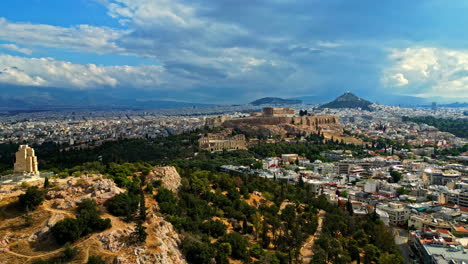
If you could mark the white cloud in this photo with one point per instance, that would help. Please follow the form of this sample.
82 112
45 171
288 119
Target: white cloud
398 80
193 46
327 44
13 47
83 38
49 72
429 71
13 75
155 12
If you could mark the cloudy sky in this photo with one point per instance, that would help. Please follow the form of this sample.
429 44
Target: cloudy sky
233 51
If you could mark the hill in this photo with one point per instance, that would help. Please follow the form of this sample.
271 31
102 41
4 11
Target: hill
348 100
275 100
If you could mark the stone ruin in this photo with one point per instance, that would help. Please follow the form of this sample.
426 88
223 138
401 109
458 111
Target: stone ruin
26 162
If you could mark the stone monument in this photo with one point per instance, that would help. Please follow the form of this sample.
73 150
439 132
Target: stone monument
26 162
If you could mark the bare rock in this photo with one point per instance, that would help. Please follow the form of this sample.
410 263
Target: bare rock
44 231
168 175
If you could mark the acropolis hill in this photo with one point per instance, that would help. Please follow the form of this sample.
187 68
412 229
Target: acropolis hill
283 121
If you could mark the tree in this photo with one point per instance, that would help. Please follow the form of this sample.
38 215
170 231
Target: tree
402 191
223 251
67 230
96 260
387 258
371 253
142 206
32 198
265 238
87 221
140 234
349 207
319 257
69 253
214 228
238 245
123 204
46 183
396 175
354 252
196 251
257 224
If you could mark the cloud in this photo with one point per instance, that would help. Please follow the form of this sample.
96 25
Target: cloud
249 48
326 44
13 47
48 72
83 38
398 80
428 71
13 75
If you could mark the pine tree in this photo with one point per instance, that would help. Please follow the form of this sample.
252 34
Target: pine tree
140 234
142 206
46 183
349 207
245 226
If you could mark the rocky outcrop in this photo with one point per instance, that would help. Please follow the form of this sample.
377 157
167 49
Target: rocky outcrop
43 232
161 247
115 240
168 240
66 195
168 175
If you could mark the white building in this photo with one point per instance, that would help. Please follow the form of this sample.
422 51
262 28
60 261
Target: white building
398 214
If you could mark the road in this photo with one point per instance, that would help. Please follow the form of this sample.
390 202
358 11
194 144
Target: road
401 240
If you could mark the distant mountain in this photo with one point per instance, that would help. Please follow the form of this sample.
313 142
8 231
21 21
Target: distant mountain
454 105
275 100
348 100
45 98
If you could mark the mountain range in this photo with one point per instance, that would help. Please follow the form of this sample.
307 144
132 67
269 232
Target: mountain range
14 98
48 98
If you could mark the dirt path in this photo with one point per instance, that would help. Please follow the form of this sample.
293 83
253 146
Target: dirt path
306 250
30 257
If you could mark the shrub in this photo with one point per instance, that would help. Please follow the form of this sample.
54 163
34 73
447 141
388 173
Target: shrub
196 251
213 228
69 253
95 260
238 245
156 183
32 198
67 230
87 222
123 204
165 195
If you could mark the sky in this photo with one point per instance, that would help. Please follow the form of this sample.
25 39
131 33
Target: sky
236 51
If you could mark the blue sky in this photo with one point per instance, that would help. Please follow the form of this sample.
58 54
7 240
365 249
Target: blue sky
233 51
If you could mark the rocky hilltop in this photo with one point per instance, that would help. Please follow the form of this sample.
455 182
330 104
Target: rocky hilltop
27 237
168 175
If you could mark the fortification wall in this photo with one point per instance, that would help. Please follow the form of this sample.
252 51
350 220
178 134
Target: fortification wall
268 126
306 121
